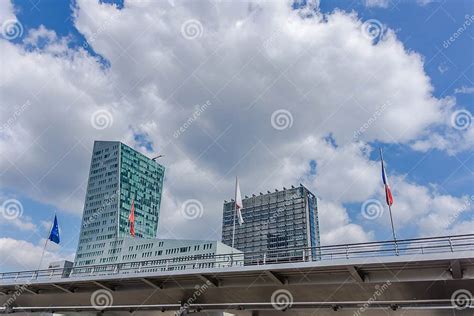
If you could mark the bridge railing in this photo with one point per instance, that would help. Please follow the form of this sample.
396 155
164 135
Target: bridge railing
417 246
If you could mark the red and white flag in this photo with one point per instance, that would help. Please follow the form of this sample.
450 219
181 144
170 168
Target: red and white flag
388 192
131 218
238 202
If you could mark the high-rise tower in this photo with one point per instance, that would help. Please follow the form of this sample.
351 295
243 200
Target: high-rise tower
274 222
117 175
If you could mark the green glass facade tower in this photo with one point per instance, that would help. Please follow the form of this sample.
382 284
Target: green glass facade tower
117 175
141 179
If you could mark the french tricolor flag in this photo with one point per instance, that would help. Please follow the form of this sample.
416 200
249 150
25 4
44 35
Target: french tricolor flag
388 192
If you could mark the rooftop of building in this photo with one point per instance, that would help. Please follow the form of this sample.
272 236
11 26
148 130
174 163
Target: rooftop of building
269 193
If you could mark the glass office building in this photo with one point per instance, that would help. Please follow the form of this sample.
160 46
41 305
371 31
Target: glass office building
276 225
118 175
141 179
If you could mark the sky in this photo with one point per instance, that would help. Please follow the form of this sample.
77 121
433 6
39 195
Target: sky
277 93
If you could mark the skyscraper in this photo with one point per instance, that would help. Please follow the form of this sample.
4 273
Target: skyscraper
118 175
273 222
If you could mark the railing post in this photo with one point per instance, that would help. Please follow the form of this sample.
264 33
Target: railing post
264 258
450 244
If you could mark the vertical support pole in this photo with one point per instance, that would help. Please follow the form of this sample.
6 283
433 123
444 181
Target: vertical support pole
393 231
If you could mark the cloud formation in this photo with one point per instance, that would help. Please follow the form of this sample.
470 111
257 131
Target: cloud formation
305 87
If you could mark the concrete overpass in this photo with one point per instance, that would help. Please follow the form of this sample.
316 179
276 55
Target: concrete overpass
429 276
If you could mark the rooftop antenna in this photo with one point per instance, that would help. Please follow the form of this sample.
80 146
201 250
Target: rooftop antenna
159 156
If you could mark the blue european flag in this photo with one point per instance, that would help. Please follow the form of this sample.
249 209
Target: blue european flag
54 235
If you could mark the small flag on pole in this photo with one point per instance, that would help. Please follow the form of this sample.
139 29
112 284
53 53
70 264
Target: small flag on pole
388 192
238 202
131 218
54 234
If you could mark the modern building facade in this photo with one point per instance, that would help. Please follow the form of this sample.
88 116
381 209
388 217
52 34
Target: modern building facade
274 225
153 255
118 175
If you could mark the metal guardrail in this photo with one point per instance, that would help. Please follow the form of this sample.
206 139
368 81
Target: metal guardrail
417 246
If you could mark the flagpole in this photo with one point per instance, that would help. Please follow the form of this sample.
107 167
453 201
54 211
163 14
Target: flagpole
391 221
46 243
393 230
235 213
42 254
390 210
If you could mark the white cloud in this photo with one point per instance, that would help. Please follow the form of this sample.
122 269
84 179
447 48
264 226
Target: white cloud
424 209
6 11
452 142
324 70
18 255
23 223
337 227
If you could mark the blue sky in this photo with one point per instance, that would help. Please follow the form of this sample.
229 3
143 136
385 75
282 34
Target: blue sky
422 28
